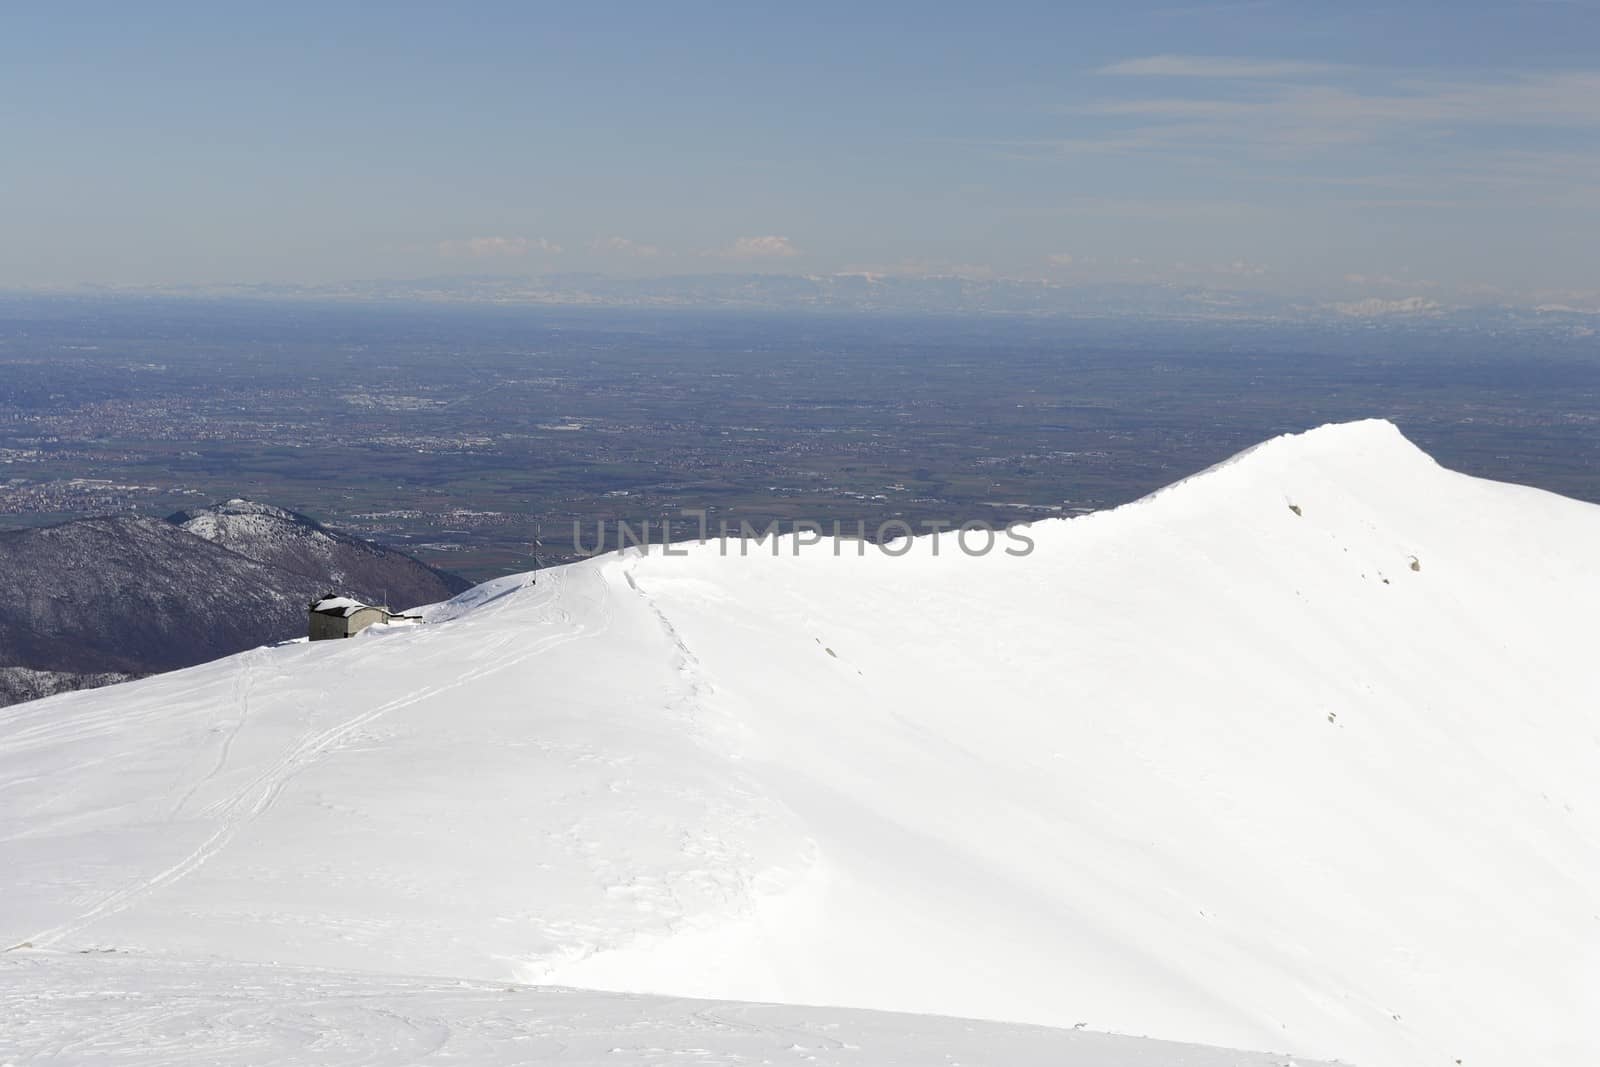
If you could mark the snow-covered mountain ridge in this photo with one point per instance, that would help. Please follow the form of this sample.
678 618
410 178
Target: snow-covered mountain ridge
1298 753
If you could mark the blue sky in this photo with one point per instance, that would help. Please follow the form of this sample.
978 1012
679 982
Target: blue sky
1397 150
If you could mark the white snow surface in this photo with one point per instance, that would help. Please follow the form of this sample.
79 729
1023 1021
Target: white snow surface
116 1009
1203 768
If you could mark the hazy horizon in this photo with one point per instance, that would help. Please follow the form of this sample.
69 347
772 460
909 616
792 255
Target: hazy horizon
1439 154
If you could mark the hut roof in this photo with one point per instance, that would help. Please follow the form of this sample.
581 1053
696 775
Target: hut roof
341 606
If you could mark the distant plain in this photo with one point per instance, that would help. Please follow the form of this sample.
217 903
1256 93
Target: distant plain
475 437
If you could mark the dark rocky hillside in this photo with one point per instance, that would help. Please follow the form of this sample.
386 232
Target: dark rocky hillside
295 543
98 600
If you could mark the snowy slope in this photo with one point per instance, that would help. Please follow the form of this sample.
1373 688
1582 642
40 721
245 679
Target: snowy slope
131 1010
1209 767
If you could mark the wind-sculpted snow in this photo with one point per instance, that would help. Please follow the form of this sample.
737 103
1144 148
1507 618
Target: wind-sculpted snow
1296 754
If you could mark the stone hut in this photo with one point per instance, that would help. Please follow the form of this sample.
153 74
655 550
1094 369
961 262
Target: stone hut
340 616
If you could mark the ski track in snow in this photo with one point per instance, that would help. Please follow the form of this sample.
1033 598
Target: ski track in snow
244 680
258 797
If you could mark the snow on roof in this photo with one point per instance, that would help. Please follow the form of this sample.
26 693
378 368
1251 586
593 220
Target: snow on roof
338 605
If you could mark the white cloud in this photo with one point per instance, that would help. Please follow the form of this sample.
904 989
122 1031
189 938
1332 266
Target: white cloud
769 247
625 247
1586 300
1545 99
927 268
1509 141
497 247
1373 307
1235 268
1319 115
1215 67
1389 281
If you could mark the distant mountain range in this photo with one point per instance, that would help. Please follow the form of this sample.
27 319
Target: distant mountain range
101 600
1354 304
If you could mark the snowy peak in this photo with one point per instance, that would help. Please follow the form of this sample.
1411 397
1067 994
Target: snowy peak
1356 500
1355 451
241 506
299 544
247 524
1364 436
1373 444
